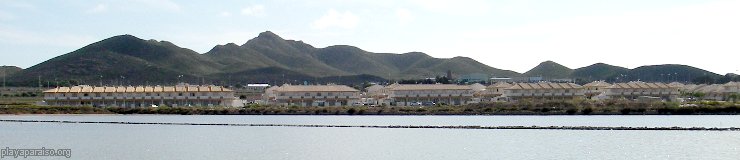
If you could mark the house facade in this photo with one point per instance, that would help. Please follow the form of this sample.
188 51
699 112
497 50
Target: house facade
139 96
313 95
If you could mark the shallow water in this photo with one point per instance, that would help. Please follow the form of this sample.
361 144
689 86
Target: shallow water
115 141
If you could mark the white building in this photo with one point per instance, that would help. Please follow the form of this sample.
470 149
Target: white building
139 96
313 95
544 91
427 94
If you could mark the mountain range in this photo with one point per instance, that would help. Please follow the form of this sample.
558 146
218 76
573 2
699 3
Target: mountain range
268 58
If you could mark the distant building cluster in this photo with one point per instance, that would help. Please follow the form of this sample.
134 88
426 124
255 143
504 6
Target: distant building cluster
377 95
139 96
718 92
312 95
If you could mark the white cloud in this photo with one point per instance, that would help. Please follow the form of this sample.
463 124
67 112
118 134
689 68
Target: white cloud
456 7
147 6
333 18
161 4
404 16
225 14
24 5
4 16
24 37
703 36
256 10
98 8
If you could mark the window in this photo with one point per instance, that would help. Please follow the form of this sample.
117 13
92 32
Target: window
110 94
85 95
307 94
192 94
148 94
282 94
179 94
318 94
330 94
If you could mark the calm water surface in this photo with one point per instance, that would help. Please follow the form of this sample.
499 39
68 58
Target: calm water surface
114 141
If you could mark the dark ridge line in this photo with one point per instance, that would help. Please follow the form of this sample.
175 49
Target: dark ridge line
675 128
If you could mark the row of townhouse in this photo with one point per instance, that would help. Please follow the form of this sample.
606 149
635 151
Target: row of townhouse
718 92
139 96
543 91
421 94
404 94
395 94
312 95
636 90
429 94
503 91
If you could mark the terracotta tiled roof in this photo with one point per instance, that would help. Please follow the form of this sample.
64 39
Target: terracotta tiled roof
139 89
640 85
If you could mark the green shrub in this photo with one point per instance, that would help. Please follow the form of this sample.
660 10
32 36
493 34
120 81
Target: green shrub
571 111
587 110
625 111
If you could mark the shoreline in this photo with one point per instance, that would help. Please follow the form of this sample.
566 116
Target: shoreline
674 128
472 110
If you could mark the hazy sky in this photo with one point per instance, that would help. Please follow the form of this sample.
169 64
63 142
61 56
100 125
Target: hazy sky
507 34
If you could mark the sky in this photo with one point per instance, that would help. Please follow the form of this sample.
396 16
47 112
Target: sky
507 34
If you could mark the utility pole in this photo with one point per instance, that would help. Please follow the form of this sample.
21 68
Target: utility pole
3 77
178 79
